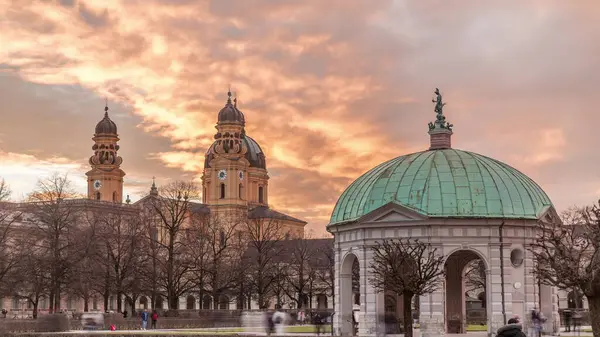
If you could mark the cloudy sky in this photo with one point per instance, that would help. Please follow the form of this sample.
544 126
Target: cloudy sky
329 88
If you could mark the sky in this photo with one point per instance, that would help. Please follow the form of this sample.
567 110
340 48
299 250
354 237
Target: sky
329 88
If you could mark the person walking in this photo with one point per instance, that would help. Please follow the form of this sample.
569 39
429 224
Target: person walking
537 320
318 323
154 319
145 319
512 329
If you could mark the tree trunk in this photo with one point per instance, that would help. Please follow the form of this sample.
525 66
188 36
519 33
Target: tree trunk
173 301
408 321
51 302
216 301
105 297
594 303
119 302
86 304
57 300
35 309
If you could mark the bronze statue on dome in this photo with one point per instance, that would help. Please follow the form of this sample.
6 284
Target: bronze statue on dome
439 105
440 120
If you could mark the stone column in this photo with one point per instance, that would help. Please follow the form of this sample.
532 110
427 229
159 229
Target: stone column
529 289
549 307
372 303
431 314
501 302
342 318
454 293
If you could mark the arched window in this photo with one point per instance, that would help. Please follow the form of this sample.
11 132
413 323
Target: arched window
206 301
222 191
260 194
190 303
158 304
143 302
97 195
115 196
224 302
241 191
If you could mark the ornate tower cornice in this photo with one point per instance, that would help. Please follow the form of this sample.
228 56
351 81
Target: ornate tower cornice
230 130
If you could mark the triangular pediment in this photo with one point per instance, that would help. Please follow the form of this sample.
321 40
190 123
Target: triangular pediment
549 215
392 212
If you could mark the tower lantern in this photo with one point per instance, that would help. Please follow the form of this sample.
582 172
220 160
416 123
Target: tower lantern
105 179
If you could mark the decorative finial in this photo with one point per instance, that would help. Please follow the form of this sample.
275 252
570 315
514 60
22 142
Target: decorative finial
235 99
440 131
440 119
128 201
105 107
229 95
153 189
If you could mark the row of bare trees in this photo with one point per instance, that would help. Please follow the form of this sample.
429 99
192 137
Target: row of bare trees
165 247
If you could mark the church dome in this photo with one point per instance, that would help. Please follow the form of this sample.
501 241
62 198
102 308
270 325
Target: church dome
254 155
444 183
230 113
106 126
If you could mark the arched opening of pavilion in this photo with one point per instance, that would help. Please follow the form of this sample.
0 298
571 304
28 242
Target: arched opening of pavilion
143 303
349 294
206 302
190 302
465 282
575 300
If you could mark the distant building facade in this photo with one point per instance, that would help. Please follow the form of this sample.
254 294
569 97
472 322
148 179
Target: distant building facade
235 180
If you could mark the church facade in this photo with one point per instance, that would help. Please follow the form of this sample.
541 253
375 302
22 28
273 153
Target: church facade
235 180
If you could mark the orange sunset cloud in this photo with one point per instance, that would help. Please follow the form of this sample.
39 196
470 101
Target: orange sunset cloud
329 89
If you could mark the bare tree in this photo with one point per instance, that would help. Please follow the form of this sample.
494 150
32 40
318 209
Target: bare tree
475 280
151 271
325 273
300 277
64 232
172 210
10 215
31 275
221 263
198 249
263 237
121 236
5 191
407 267
567 255
281 285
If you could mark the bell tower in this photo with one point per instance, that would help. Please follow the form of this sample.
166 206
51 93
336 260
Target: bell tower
226 168
105 179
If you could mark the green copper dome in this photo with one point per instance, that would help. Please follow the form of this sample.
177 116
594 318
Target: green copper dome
444 183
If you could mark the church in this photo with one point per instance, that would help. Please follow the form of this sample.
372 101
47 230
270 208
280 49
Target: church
235 176
235 180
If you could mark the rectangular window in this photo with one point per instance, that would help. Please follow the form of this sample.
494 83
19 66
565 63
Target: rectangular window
260 195
222 191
